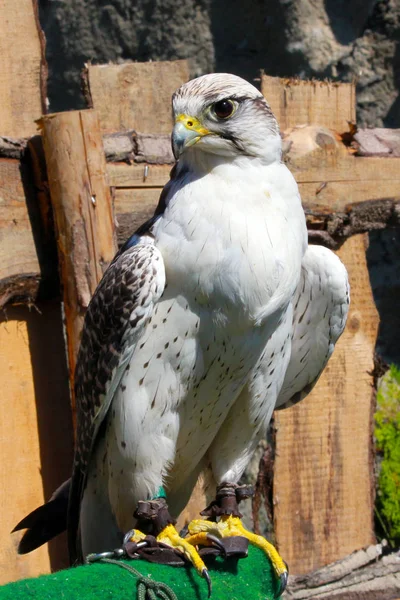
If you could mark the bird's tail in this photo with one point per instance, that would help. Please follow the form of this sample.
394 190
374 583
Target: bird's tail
46 521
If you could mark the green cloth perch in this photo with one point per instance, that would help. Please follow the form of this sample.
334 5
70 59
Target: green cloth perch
249 578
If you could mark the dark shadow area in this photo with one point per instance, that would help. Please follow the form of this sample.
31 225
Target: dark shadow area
50 376
392 118
348 18
251 36
51 388
41 219
384 269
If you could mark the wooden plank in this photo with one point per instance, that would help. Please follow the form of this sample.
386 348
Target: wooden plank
337 196
35 427
133 207
82 210
365 178
296 102
131 176
135 95
323 472
23 69
353 169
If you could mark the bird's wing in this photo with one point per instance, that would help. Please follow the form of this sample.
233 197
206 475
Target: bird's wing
114 322
321 304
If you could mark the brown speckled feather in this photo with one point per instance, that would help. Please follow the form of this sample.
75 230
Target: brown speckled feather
117 314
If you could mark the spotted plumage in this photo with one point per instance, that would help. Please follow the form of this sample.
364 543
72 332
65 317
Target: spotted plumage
215 312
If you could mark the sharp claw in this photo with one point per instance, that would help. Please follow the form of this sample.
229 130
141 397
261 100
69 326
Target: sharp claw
208 579
184 531
283 581
217 542
128 535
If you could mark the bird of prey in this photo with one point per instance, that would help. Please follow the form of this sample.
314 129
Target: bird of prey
214 313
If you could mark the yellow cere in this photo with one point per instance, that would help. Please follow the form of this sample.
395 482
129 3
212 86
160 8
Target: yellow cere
192 124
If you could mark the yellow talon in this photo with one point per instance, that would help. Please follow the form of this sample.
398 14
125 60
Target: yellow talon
170 537
199 539
136 536
229 526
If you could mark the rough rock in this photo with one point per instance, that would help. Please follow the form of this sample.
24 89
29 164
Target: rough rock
340 39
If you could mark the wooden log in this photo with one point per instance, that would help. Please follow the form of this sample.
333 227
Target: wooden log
332 229
135 95
23 68
368 574
82 211
28 258
323 471
19 263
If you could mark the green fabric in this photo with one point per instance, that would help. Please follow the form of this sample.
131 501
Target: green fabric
249 578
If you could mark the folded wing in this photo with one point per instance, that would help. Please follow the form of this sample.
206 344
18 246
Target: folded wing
114 323
321 304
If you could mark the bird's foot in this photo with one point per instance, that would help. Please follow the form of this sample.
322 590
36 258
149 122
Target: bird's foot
225 523
229 526
157 540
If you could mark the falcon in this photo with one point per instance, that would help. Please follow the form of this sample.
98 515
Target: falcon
214 313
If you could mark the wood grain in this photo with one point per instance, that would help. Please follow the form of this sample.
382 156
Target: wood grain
121 175
323 472
23 69
82 210
35 430
133 207
135 95
22 484
368 574
21 265
297 102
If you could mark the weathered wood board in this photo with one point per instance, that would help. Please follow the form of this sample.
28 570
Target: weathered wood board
35 429
323 472
296 102
135 95
19 263
23 70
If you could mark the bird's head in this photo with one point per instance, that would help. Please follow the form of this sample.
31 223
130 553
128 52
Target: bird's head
225 115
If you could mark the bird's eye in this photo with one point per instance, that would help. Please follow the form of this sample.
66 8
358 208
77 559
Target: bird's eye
223 109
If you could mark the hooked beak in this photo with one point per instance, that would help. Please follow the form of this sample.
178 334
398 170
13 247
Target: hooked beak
187 132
